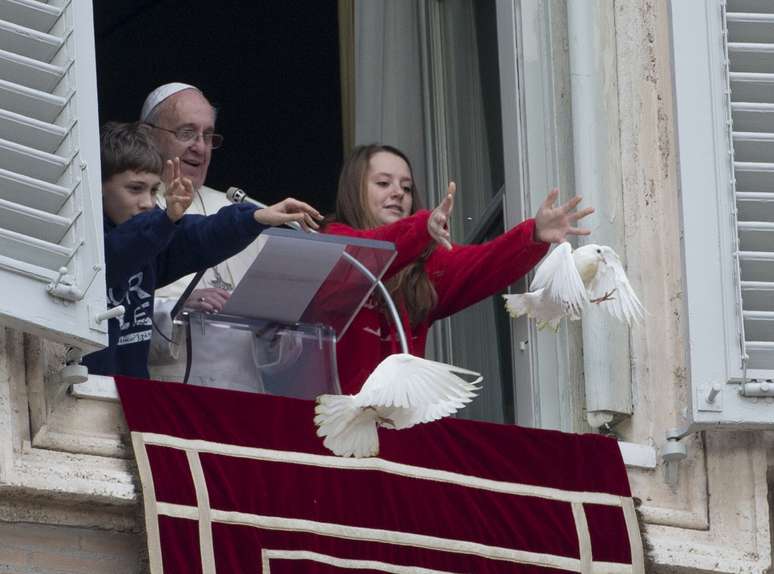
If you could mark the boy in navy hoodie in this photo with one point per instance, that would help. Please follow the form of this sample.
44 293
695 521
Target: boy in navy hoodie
147 247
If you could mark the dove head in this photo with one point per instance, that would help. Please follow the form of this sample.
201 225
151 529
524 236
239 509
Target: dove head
587 260
592 251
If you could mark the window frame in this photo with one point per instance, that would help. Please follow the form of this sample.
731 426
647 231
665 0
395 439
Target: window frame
531 132
535 127
546 396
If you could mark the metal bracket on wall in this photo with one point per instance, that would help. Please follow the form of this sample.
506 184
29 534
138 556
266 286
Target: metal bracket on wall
672 452
710 398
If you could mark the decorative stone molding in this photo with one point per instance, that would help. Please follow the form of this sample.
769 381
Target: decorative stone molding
63 460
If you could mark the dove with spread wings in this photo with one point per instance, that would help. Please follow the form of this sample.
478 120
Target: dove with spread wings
392 397
569 280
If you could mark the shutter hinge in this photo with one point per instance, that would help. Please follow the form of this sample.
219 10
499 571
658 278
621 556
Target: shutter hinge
757 388
65 287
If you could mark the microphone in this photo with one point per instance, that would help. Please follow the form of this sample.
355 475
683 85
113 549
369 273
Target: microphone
236 195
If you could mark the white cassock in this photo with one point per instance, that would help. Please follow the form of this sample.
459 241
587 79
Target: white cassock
232 352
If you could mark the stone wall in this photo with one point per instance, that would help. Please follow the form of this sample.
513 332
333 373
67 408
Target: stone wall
46 549
68 490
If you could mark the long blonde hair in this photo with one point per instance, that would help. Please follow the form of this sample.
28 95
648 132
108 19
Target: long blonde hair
411 286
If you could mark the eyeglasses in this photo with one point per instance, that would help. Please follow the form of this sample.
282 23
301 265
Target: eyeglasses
188 135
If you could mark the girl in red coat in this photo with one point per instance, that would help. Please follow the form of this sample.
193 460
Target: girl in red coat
430 278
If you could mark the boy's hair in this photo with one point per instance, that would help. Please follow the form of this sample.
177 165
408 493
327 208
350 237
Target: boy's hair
128 147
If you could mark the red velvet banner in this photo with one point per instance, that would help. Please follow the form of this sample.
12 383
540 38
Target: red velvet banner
236 482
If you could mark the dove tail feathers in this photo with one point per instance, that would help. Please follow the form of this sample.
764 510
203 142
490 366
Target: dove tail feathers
518 305
346 429
534 306
527 304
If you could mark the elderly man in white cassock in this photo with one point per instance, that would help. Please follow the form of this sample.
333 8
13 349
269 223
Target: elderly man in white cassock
183 123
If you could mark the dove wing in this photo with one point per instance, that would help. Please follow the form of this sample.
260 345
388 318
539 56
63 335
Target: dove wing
417 390
561 280
611 278
404 418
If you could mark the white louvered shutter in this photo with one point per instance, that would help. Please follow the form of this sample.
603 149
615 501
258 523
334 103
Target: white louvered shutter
750 25
723 57
51 253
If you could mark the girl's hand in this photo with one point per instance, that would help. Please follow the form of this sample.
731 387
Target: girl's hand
438 223
554 224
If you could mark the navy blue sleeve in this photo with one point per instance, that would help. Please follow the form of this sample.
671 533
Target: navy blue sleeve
135 243
203 241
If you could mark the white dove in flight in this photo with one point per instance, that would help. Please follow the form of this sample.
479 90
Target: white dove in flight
568 280
403 390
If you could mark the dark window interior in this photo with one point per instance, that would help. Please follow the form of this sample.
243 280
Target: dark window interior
271 68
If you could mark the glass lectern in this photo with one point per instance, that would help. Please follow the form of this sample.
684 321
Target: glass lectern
277 332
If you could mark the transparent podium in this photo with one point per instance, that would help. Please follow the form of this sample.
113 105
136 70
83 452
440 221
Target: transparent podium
277 332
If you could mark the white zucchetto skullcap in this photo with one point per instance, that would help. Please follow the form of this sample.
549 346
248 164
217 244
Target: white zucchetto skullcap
160 94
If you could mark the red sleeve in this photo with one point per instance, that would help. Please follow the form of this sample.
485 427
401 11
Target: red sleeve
409 235
469 273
